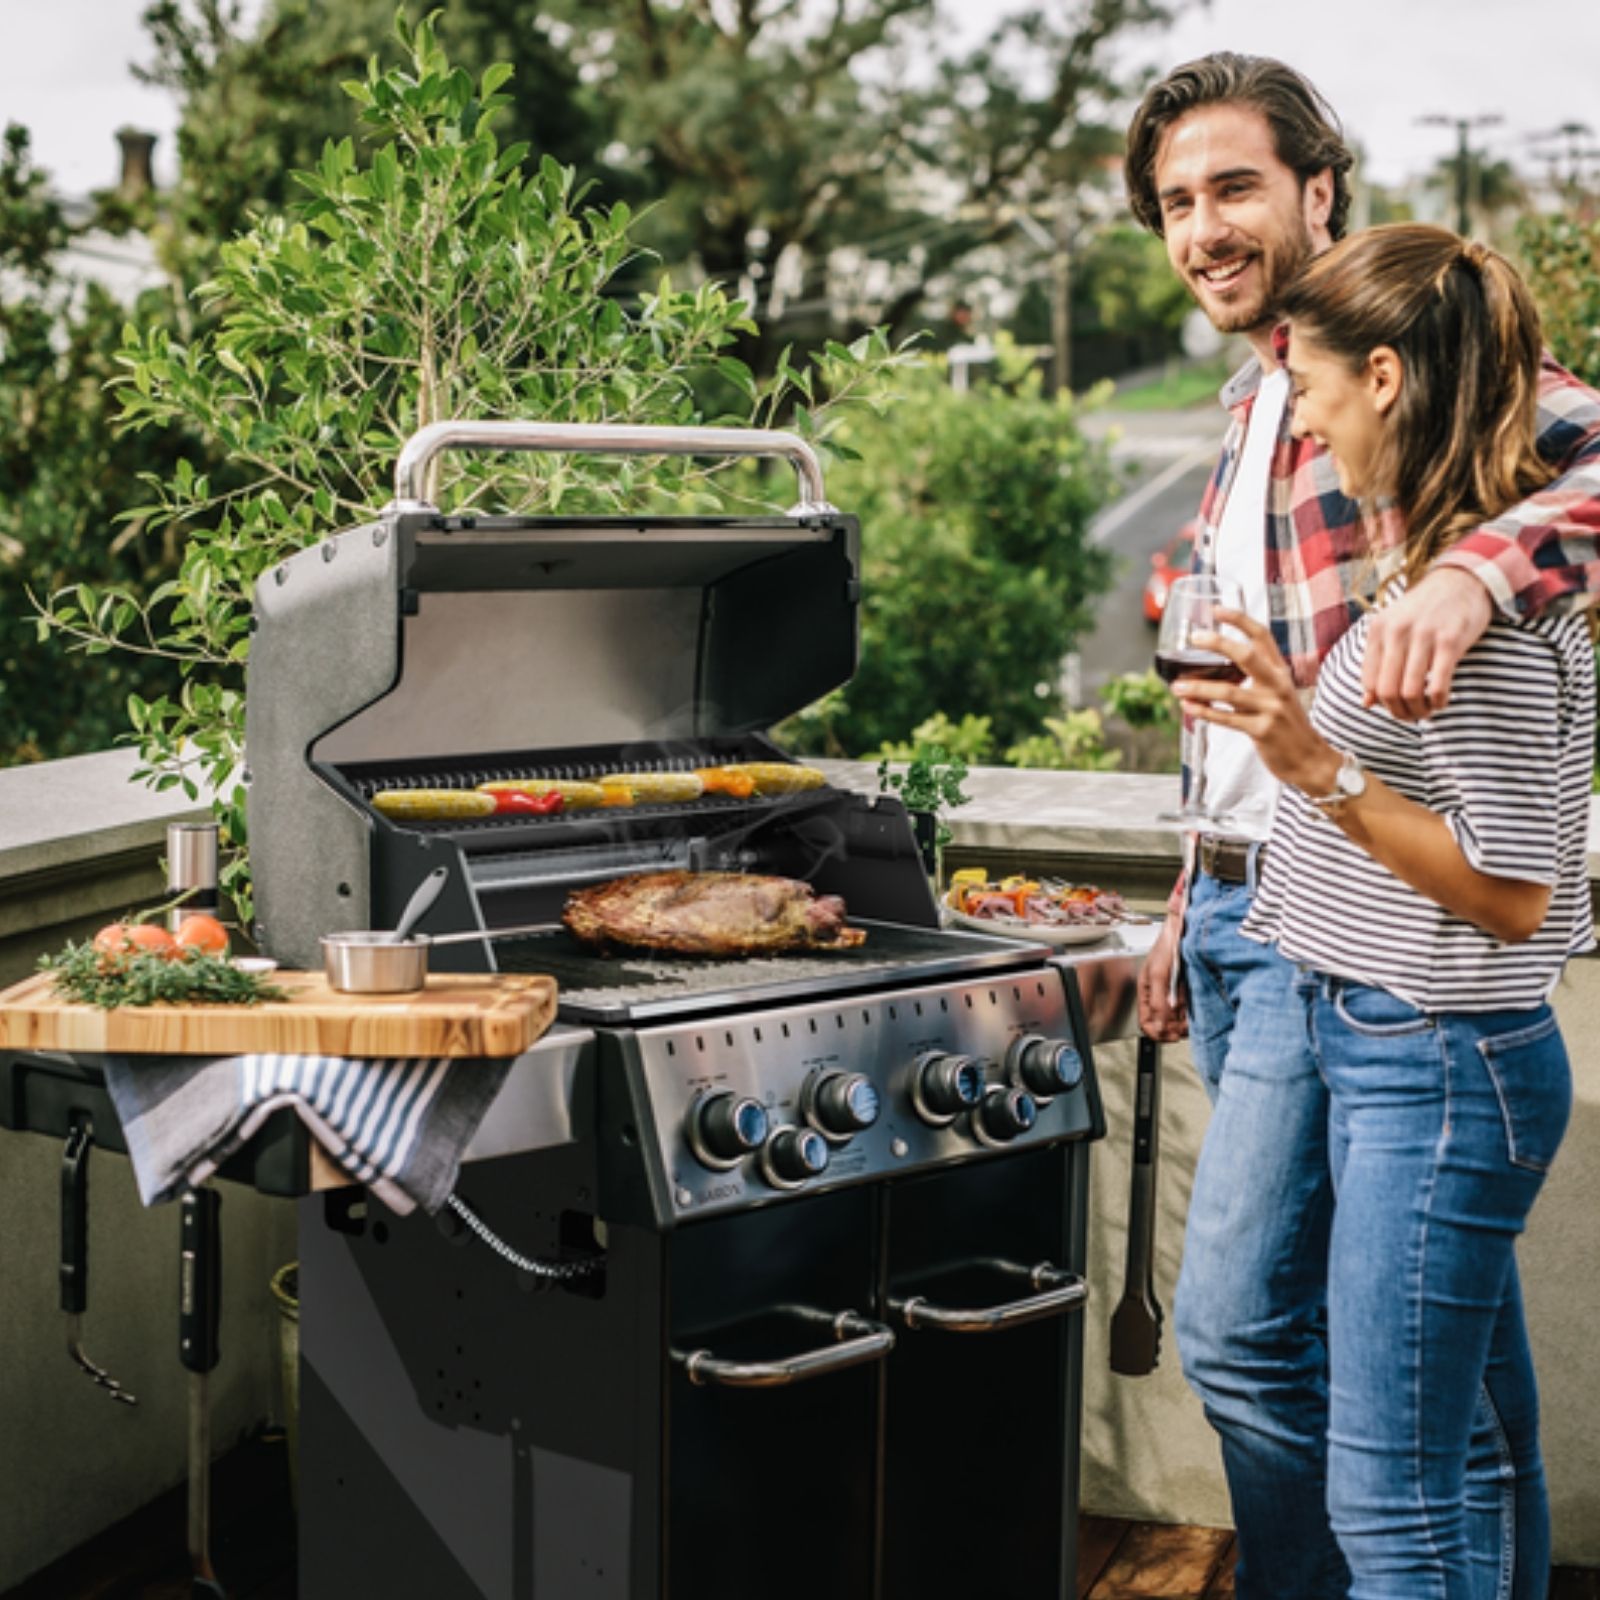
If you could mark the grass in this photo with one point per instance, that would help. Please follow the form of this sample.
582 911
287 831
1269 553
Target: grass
1181 386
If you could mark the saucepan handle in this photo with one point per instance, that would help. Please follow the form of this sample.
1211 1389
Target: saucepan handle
1058 1292
602 438
857 1341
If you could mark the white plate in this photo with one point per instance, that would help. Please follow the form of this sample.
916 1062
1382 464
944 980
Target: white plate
1040 933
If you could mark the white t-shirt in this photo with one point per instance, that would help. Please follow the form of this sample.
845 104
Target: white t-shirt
1236 781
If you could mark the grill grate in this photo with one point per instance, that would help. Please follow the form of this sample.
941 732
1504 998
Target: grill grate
632 986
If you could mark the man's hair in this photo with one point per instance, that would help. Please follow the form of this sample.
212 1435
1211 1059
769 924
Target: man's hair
1460 445
1305 131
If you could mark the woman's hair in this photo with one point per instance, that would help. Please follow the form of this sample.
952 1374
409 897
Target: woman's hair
1305 132
1460 444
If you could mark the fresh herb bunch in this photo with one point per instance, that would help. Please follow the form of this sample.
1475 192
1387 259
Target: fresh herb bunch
931 781
84 974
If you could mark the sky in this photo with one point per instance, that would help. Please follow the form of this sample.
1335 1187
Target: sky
1382 63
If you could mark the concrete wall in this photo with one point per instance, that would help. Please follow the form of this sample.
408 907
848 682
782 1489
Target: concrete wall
78 845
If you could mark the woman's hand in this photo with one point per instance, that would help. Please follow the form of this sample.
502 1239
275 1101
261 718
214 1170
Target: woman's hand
1266 707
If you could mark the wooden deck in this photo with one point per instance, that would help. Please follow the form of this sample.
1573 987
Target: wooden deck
143 1557
1151 1561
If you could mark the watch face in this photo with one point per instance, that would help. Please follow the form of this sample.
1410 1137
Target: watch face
1352 779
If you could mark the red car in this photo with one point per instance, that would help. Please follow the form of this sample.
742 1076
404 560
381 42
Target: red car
1165 565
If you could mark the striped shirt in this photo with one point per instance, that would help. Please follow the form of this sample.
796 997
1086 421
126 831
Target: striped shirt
1507 765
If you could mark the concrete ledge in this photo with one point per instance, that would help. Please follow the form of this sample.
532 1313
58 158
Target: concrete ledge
60 813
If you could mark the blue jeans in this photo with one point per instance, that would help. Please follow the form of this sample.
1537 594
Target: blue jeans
1442 1129
1251 1313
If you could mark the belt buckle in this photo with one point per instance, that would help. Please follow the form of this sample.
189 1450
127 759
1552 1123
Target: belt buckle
1227 860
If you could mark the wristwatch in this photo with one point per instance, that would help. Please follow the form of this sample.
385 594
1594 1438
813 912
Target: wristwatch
1349 783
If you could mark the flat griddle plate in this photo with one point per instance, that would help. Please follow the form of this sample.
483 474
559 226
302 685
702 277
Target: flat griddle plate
633 986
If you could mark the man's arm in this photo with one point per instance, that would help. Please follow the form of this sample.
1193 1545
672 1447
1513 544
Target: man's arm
1163 1003
1163 1014
1542 555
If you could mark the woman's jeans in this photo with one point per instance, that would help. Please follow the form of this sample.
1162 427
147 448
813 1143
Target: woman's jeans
1416 1471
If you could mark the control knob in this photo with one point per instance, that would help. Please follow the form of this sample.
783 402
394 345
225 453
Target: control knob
793 1155
724 1128
1005 1112
1045 1067
943 1086
843 1103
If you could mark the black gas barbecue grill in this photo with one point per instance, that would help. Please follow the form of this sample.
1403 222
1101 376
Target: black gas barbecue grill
820 1217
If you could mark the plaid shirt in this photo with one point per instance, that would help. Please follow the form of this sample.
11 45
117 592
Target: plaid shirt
1541 555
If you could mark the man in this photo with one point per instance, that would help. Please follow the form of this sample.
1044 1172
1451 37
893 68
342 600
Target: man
1239 165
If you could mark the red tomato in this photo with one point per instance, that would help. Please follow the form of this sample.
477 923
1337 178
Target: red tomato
203 933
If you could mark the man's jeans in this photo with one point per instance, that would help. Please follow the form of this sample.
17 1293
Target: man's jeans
1252 1304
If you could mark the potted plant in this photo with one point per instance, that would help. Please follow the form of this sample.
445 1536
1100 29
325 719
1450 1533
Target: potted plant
929 785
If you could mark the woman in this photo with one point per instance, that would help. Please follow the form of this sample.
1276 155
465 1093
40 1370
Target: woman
1429 879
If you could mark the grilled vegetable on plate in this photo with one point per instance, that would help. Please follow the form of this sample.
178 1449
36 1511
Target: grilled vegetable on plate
1030 908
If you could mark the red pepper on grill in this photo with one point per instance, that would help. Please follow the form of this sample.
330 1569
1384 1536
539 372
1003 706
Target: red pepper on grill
526 804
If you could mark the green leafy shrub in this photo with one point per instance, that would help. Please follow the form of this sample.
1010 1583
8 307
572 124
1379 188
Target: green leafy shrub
1561 257
978 571
1142 700
64 474
1073 742
971 740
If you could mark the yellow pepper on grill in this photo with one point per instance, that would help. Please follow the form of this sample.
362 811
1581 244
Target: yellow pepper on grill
433 805
730 781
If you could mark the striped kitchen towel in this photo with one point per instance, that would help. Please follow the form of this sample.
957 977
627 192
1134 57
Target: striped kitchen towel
397 1126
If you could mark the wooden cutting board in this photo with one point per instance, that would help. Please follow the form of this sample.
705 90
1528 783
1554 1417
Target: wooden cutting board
458 1014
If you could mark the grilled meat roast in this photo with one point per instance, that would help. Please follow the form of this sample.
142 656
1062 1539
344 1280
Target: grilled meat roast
709 914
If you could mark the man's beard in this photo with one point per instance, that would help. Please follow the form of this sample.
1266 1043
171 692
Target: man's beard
1279 266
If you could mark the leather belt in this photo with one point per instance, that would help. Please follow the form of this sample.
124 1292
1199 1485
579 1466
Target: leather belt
1228 860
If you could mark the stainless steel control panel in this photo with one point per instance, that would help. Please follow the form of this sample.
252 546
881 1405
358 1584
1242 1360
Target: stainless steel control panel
782 1102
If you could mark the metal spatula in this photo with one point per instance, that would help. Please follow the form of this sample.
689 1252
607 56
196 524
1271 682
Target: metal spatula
1136 1323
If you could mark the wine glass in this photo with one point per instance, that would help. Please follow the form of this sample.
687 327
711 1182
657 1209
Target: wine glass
1192 605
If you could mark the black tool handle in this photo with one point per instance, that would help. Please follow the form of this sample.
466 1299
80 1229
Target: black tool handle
199 1279
1136 1323
75 1217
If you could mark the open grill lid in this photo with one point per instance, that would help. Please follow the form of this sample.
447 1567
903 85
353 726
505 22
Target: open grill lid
426 638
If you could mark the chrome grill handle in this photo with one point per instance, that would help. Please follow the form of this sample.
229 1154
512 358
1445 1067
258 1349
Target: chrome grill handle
424 447
1058 1292
859 1340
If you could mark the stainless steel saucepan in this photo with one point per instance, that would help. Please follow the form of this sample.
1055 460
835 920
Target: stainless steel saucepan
378 963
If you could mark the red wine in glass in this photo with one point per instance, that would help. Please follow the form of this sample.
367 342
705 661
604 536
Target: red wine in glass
1207 664
1191 607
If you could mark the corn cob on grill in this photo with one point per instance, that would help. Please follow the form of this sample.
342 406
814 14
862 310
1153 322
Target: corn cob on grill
433 805
765 777
658 788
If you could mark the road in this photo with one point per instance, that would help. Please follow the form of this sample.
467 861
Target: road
1171 454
